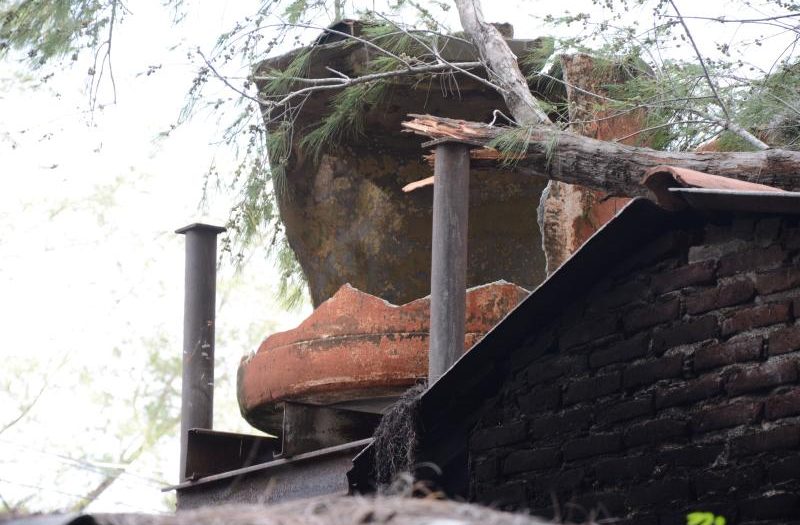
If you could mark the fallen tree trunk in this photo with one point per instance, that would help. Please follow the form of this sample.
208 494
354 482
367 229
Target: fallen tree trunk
612 167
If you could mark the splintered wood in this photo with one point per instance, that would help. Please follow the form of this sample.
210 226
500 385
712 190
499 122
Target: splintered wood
442 129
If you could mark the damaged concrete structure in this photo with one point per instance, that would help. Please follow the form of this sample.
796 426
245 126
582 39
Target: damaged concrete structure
653 372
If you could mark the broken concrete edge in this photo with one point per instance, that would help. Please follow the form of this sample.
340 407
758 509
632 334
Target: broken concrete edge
355 346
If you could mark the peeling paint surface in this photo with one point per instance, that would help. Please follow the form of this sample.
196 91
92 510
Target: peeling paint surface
356 345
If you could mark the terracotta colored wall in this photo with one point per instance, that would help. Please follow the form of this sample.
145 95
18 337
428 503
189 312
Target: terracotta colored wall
673 387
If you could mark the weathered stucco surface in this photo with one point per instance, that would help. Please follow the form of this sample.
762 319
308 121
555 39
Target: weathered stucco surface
348 220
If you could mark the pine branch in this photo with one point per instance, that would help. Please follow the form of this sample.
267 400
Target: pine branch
728 122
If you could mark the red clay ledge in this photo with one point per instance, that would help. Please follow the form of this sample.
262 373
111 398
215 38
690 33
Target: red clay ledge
357 346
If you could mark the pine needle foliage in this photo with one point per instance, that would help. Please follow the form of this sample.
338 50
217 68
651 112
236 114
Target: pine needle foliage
52 29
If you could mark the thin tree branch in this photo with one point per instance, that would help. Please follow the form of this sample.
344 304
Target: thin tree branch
728 122
24 412
702 62
501 64
438 56
661 126
724 20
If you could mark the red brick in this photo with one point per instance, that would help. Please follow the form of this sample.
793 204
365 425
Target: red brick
774 372
688 392
744 347
547 370
731 415
529 460
689 275
652 314
778 280
756 316
656 431
622 294
747 261
540 399
692 455
772 506
660 492
565 480
721 481
651 371
562 423
627 350
787 469
715 250
778 438
782 405
728 293
654 251
594 445
492 437
784 340
587 331
613 469
621 411
685 332
592 387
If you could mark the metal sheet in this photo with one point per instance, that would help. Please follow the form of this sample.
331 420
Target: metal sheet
308 427
740 201
210 452
307 475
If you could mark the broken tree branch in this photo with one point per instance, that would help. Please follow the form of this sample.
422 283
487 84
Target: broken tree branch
609 166
502 66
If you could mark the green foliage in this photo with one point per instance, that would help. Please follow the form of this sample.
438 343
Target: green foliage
346 120
704 518
48 29
512 143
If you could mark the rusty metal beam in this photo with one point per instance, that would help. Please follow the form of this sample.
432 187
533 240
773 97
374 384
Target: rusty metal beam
197 389
448 257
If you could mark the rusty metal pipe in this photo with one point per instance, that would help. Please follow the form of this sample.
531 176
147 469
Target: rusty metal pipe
197 388
448 257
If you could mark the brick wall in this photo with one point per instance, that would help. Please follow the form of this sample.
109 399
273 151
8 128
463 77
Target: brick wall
672 386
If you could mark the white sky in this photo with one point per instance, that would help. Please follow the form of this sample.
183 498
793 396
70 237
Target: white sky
88 260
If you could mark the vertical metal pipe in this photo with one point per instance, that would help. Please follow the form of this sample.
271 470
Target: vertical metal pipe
448 257
199 309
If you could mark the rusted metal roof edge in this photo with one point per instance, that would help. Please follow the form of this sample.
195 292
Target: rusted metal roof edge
338 449
705 199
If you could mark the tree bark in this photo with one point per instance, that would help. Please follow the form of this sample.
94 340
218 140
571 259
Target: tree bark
501 64
609 166
570 213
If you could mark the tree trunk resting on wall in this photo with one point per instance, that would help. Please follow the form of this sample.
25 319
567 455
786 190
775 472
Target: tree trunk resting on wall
614 168
569 213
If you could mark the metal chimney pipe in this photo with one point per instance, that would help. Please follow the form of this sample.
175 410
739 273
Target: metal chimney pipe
448 257
199 312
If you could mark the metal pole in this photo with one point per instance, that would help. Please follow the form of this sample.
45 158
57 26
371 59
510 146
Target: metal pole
197 390
448 257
